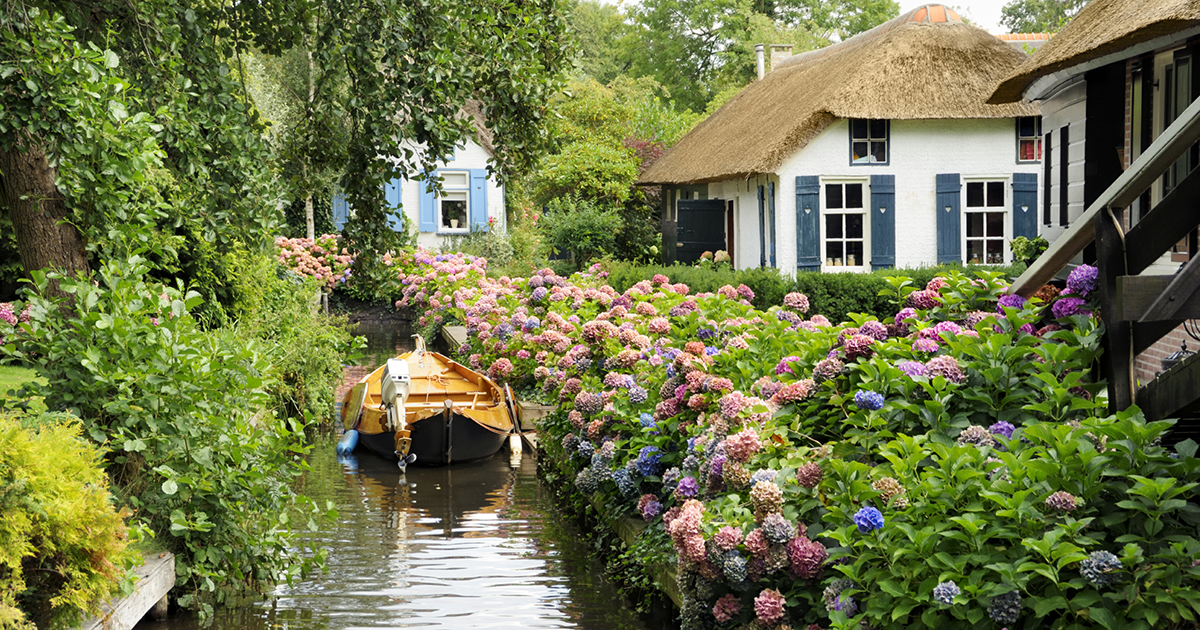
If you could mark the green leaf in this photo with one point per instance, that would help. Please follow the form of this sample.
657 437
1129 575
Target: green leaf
169 487
1103 616
110 59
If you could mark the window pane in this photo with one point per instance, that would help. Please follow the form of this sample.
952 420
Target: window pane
995 252
1026 127
854 253
854 195
974 224
995 194
454 212
833 253
860 153
879 152
878 129
454 180
858 128
1028 150
975 252
995 224
854 225
833 196
974 194
833 226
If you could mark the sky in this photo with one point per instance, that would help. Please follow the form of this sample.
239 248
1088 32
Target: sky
983 13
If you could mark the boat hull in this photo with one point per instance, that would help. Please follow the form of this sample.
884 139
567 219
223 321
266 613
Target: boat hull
438 442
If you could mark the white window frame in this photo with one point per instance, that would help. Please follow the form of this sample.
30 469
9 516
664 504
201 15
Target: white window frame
1036 138
862 266
1004 209
454 191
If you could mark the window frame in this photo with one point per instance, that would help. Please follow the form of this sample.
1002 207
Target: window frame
464 190
864 265
1036 138
1004 209
887 141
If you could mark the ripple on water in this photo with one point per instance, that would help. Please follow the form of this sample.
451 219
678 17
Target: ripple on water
468 546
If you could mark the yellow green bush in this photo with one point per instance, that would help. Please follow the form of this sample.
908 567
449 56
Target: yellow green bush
63 546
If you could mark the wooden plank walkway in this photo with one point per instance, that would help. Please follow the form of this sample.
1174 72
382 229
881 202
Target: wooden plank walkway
154 579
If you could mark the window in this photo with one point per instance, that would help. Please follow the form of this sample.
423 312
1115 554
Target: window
845 220
1029 139
454 204
985 217
868 141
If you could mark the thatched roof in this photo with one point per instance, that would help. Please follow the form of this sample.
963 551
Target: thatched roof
1103 27
925 64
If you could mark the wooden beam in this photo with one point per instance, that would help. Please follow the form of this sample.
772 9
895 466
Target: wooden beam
1118 336
1163 152
1148 334
1164 225
1183 287
1173 392
155 579
1135 294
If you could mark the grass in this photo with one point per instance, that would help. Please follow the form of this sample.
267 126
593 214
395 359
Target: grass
12 378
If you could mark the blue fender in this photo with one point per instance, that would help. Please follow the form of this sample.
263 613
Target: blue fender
349 440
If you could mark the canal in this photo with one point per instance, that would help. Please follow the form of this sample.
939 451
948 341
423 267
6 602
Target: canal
475 545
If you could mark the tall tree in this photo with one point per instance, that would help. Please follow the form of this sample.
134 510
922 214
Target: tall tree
1039 16
400 70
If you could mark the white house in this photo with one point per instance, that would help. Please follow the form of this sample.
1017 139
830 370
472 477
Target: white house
875 152
1110 85
468 201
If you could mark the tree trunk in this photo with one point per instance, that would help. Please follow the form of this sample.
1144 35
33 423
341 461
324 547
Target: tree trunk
38 211
308 216
308 201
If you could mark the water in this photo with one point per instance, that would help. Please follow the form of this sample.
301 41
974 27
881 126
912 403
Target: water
475 545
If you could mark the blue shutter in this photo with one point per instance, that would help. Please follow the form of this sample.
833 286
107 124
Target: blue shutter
883 221
391 193
762 227
341 212
949 218
1025 211
808 223
479 209
427 208
771 218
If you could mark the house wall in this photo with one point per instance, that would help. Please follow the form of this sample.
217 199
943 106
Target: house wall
469 156
919 150
1066 110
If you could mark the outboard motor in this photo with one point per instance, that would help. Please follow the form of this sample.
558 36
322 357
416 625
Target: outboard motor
395 387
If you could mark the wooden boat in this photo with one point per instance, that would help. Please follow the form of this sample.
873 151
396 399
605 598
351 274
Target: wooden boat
425 404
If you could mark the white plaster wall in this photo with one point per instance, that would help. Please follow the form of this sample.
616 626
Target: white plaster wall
465 157
920 150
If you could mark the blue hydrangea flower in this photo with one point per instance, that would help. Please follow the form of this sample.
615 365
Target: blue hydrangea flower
670 371
540 294
777 529
711 351
503 331
868 400
734 566
1098 568
586 449
845 603
706 333
637 395
624 482
868 519
531 324
582 364
646 420
648 461
945 592
763 474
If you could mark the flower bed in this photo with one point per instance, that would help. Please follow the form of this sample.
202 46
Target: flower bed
952 466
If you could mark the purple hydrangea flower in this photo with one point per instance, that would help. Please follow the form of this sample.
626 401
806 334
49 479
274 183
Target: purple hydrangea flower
1010 301
904 314
1066 307
868 519
945 592
1002 428
687 488
1082 280
913 368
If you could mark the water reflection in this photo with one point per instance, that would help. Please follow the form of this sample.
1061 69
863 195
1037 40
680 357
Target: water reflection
467 546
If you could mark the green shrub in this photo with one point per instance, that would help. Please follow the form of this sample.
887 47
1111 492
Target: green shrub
63 546
493 245
769 285
194 449
305 348
836 295
581 227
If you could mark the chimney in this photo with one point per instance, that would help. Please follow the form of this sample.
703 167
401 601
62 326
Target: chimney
779 52
758 54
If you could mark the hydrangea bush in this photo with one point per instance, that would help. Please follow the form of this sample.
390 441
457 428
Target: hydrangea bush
321 258
952 466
